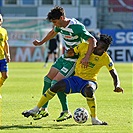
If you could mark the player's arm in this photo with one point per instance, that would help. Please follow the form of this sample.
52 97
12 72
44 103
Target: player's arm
92 44
116 80
49 36
7 52
70 52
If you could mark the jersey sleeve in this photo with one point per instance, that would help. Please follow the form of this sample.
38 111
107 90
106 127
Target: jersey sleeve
6 36
82 32
109 63
56 29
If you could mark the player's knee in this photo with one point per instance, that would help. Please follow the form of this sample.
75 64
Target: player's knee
58 87
89 92
5 77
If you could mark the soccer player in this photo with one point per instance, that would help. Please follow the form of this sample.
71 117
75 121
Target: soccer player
85 79
4 54
73 33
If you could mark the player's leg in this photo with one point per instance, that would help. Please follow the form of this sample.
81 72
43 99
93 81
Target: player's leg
47 84
55 55
88 92
66 71
49 94
56 67
3 78
4 73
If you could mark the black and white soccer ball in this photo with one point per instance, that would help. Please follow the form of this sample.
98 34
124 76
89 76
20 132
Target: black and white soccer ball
80 115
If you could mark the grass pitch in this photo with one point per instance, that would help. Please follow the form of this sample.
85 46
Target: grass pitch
23 90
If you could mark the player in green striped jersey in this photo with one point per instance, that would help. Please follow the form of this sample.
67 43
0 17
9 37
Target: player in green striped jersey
73 33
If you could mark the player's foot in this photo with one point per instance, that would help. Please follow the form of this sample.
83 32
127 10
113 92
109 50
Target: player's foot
64 116
40 114
96 121
29 113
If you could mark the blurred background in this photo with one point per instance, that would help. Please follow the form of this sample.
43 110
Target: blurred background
25 21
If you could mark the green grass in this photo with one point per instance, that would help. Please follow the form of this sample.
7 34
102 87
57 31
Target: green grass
23 90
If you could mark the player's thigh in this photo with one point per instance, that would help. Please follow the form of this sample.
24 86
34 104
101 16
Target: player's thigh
65 67
4 68
52 73
59 86
89 88
74 84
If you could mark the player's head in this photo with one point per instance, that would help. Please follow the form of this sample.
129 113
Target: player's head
56 16
103 44
1 19
56 13
107 40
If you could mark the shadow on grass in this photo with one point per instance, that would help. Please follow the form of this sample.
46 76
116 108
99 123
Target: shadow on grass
51 126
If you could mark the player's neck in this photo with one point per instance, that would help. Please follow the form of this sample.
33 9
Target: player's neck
66 22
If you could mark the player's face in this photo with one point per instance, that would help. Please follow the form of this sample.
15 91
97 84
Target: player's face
101 48
58 22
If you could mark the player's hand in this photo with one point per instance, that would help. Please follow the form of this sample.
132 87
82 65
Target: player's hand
8 59
118 89
70 52
84 62
37 43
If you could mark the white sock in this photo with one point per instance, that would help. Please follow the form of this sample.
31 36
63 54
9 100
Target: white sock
35 109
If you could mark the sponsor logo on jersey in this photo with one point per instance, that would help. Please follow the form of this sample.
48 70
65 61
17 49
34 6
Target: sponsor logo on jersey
91 64
65 70
96 58
69 37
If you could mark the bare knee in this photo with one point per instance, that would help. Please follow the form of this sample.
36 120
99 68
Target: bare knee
5 76
89 92
89 89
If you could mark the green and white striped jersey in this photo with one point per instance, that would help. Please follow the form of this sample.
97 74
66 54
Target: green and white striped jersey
73 34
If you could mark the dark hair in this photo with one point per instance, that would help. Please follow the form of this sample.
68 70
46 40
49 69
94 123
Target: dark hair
56 13
106 39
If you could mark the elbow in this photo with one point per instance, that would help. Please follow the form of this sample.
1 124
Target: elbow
93 42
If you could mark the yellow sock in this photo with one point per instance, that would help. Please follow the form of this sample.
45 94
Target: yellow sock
45 97
92 105
2 80
0 112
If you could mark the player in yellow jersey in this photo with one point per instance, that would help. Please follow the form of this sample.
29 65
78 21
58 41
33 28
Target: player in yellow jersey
84 80
4 53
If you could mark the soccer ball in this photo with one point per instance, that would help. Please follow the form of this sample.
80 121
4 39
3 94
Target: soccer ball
80 115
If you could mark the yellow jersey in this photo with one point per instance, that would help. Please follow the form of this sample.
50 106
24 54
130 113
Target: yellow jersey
3 38
95 63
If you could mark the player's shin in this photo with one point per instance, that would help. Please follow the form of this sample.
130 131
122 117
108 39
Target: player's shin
46 97
92 105
2 80
62 98
47 85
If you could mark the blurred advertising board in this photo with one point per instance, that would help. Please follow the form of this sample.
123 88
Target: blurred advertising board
121 49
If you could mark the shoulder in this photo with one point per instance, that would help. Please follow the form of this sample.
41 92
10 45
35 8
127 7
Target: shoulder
3 29
81 47
107 58
57 29
75 23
